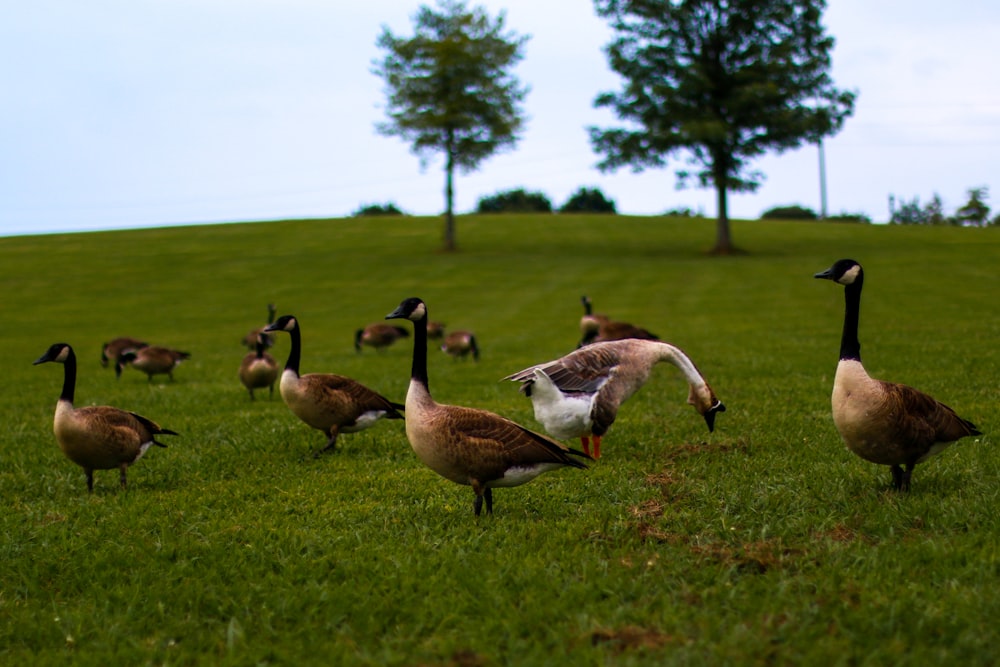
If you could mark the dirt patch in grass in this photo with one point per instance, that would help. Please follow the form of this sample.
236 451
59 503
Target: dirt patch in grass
630 638
757 557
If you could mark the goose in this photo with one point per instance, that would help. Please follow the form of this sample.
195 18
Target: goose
597 328
459 344
97 437
114 348
378 335
259 369
470 446
435 330
333 404
884 422
579 395
250 340
151 360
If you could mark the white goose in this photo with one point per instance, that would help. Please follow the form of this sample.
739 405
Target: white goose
579 395
467 445
884 422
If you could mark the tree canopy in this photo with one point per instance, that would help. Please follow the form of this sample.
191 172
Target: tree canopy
724 81
450 89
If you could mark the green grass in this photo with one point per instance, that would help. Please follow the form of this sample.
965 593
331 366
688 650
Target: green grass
763 543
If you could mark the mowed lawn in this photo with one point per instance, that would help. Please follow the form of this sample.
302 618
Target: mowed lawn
763 543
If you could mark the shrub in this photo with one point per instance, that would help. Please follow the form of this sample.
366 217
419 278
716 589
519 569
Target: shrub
683 212
793 212
849 217
515 201
588 200
367 210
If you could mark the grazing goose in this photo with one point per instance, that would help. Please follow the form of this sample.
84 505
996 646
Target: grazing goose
378 335
596 328
435 330
466 445
115 348
579 394
259 369
884 422
250 340
151 360
460 343
333 404
97 437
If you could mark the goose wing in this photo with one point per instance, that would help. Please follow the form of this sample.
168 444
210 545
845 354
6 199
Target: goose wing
922 420
584 371
347 394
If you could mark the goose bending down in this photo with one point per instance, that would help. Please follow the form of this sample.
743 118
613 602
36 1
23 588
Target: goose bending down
151 360
579 395
884 422
259 369
97 437
333 404
597 328
460 344
378 335
250 340
467 445
116 347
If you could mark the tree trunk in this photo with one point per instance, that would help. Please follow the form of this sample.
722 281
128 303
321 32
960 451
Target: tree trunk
723 242
449 199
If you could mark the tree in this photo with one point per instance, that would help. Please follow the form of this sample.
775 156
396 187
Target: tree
725 81
515 201
588 200
976 212
450 90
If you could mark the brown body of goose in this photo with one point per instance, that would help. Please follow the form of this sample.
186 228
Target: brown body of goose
884 422
330 403
259 369
151 360
118 346
435 330
469 446
596 328
460 344
378 335
579 395
97 437
250 340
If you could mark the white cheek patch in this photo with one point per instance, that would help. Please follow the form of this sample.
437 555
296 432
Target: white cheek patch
419 312
850 275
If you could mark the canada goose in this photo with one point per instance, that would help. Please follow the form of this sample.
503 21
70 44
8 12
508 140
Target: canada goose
884 422
378 335
97 437
151 360
597 328
250 340
579 395
460 343
114 348
259 369
467 445
435 330
333 404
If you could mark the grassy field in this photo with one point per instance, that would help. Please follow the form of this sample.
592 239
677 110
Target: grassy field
763 543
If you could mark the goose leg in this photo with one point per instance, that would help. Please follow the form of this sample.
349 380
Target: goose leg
90 479
597 446
121 476
585 443
897 477
331 443
488 494
906 476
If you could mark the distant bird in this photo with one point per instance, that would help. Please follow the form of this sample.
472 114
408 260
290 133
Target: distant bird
435 330
151 360
884 422
597 328
333 404
467 445
259 369
250 340
114 348
578 395
97 437
460 344
378 335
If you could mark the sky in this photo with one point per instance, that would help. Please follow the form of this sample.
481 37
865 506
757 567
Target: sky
143 113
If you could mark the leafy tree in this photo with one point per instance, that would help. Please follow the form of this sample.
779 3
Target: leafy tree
450 89
976 212
793 212
724 82
515 201
368 210
588 200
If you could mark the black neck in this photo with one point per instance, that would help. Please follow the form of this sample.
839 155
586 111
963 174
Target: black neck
294 355
69 377
850 347
419 370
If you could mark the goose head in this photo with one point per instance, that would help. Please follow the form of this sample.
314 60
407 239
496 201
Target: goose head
283 323
706 403
844 272
412 309
57 352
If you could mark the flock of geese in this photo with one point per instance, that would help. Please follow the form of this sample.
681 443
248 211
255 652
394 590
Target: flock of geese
576 396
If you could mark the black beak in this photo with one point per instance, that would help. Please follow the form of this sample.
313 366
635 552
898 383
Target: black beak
828 274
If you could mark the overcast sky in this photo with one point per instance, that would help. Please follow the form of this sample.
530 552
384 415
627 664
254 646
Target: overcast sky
142 113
